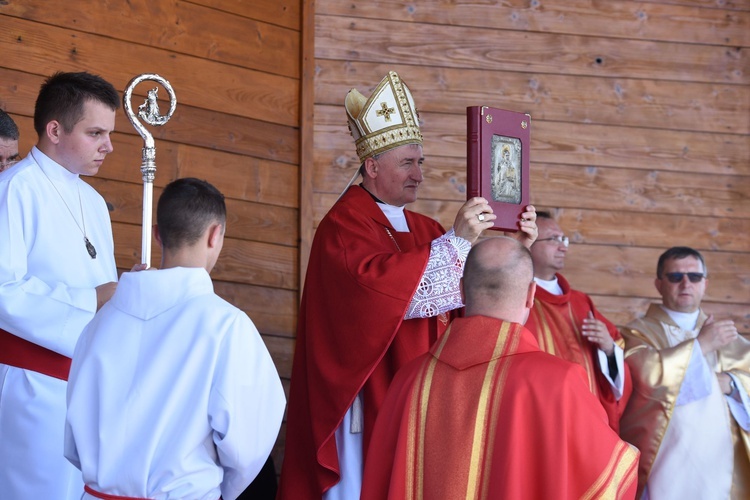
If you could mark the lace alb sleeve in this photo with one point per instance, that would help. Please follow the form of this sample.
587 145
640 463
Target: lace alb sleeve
438 289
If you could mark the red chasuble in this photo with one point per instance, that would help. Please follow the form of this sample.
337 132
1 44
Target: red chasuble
556 321
351 334
487 415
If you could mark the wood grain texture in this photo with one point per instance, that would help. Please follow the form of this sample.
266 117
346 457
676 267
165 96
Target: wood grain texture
628 102
285 13
568 143
244 92
241 261
307 141
613 18
427 44
176 26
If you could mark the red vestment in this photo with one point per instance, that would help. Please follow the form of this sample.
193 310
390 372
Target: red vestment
485 414
351 334
556 321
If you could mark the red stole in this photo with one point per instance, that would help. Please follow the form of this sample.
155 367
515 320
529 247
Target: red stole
556 321
487 415
351 334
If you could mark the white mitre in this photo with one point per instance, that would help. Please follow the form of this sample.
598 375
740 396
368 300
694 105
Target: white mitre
386 120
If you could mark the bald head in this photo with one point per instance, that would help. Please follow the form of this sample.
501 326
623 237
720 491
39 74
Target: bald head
498 280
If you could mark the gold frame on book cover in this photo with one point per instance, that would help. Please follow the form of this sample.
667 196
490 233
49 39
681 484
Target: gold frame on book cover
497 167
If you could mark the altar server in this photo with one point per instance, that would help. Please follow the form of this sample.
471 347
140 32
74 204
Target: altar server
172 393
57 267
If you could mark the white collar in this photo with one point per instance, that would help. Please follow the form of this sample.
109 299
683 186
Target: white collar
552 286
395 216
686 321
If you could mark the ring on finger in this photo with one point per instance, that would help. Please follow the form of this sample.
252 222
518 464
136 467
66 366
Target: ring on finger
480 216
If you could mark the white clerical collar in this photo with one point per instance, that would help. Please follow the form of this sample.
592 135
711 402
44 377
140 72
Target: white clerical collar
395 216
51 168
552 286
686 321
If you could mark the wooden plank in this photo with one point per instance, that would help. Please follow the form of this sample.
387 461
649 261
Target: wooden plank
258 263
630 271
619 19
242 177
245 220
653 191
128 240
281 12
273 310
741 5
346 38
177 26
282 351
249 262
647 229
249 93
307 142
622 310
567 143
676 105
233 134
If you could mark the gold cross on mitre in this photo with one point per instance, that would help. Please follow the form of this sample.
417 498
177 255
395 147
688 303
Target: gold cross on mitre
385 111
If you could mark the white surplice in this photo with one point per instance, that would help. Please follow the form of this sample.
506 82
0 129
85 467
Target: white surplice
172 392
47 296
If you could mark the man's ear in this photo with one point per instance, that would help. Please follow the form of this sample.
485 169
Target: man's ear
54 130
156 235
215 234
530 294
370 168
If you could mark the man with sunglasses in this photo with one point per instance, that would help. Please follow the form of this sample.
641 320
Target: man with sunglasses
689 414
566 323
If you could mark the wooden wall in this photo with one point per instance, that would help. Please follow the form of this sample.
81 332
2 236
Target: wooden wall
640 123
235 68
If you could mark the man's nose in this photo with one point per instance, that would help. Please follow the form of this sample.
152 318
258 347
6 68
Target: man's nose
417 173
107 145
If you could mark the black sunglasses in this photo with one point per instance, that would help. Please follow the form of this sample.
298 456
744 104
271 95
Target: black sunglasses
677 277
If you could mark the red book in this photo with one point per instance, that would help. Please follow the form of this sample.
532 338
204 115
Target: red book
497 166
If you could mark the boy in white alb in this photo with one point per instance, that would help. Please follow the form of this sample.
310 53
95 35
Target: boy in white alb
172 393
57 268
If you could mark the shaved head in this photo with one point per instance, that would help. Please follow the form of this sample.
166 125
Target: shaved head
497 277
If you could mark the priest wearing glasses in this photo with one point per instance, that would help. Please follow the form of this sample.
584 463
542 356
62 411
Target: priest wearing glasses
691 372
566 323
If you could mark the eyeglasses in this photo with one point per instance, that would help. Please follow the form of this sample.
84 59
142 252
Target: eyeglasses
8 163
677 277
559 239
